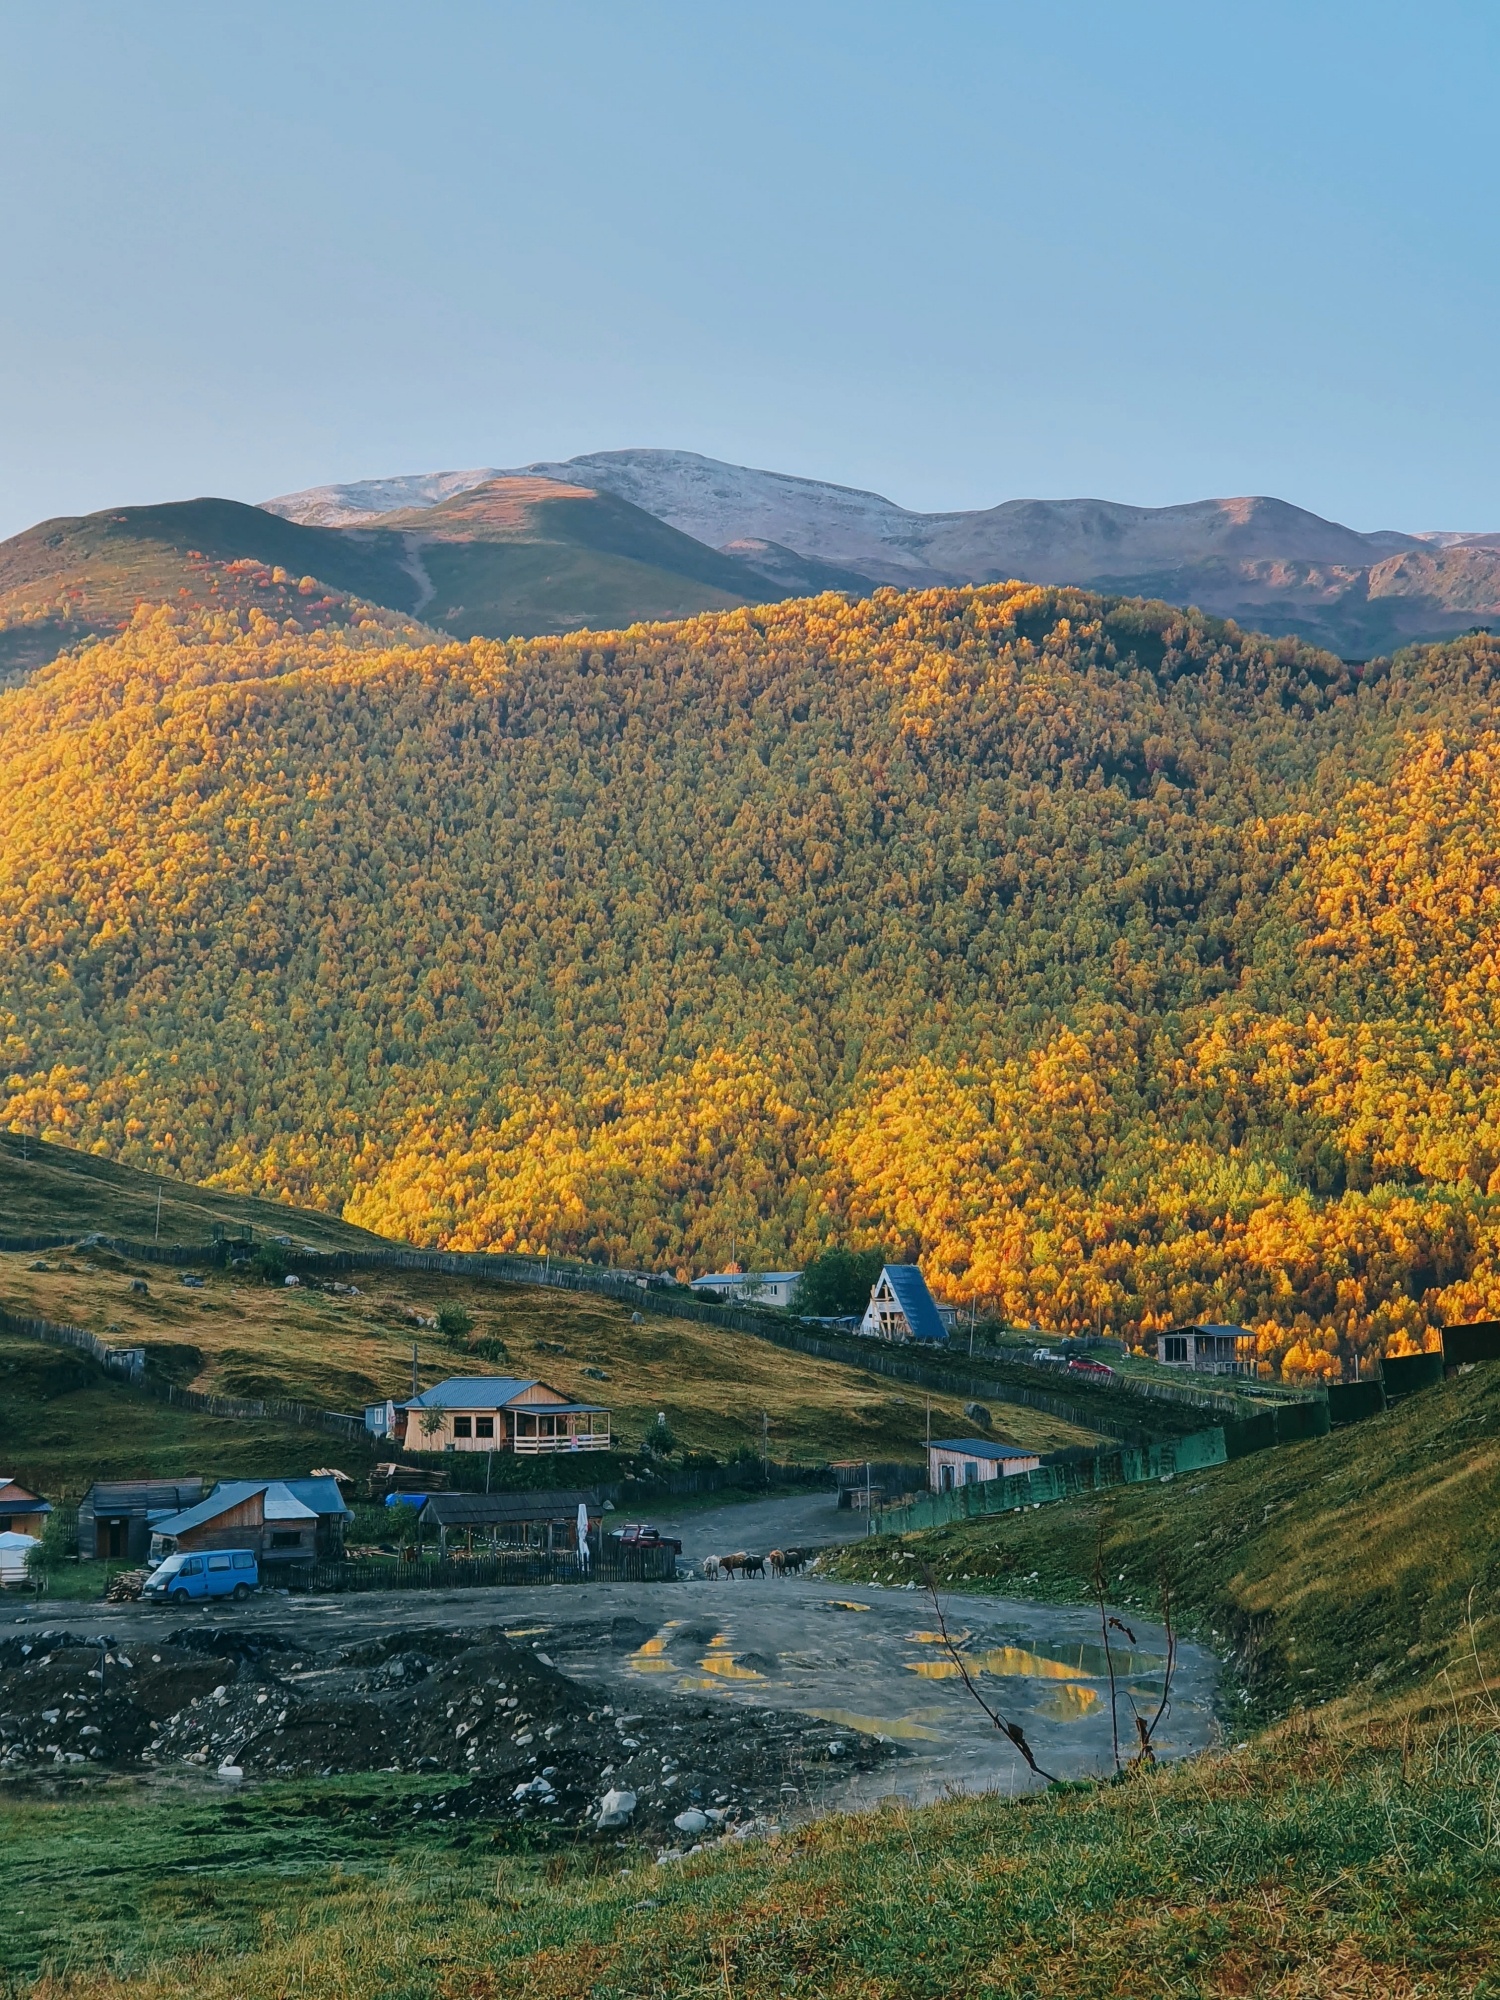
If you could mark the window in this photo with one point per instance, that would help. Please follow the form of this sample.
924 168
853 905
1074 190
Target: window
192 1566
1174 1347
286 1538
5 1523
971 1473
484 1427
463 1427
243 1559
218 1562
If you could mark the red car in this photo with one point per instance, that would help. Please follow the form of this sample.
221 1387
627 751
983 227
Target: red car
636 1535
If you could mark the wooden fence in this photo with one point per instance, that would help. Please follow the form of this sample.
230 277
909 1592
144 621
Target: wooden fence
612 1565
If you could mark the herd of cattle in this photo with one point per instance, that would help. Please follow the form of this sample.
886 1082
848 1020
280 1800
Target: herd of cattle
783 1562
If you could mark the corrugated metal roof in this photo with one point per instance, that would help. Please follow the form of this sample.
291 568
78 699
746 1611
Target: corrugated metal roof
322 1495
488 1392
914 1299
474 1510
20 1499
980 1448
286 1500
133 1496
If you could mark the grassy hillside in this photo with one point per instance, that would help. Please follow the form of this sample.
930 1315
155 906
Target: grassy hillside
1121 965
1340 1567
51 1190
64 1424
528 555
241 1338
516 556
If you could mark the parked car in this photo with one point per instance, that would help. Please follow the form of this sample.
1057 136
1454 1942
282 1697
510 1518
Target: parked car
636 1535
1092 1371
184 1579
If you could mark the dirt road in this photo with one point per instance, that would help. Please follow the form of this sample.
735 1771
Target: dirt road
867 1660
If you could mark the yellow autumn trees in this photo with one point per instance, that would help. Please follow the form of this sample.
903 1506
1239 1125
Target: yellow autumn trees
1122 966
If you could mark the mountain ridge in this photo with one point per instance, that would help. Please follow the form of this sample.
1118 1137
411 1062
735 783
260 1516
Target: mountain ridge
1261 560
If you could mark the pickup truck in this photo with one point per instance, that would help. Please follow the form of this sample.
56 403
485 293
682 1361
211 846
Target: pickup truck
636 1535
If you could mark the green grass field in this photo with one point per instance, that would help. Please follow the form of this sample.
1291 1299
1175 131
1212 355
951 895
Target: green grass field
1308 1865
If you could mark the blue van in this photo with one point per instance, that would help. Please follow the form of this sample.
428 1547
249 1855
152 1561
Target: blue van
184 1579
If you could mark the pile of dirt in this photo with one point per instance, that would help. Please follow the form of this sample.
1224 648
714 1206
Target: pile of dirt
524 1742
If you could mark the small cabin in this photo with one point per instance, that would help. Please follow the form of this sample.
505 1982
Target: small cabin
287 1522
1208 1350
901 1307
494 1413
116 1516
22 1512
970 1461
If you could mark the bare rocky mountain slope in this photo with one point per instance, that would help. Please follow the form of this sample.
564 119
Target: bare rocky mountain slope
1262 561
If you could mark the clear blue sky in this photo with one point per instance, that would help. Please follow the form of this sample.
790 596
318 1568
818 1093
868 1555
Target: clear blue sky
958 253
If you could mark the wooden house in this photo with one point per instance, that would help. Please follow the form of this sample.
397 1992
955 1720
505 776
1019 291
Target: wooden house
285 1521
970 1461
22 1512
1208 1349
116 1516
495 1413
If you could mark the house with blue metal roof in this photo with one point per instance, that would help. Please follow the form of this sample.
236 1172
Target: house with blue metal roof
492 1413
285 1521
901 1307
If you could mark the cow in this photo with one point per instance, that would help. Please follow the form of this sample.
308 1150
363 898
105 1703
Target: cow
754 1565
712 1567
729 1564
792 1560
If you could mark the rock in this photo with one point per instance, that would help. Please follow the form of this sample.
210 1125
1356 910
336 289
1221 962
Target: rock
230 1773
977 1414
615 1808
691 1822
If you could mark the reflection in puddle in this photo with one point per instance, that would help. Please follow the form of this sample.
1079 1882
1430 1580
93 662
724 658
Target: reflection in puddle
1017 1660
845 1604
721 1662
1084 1661
1069 1704
651 1658
903 1728
937 1638
526 1631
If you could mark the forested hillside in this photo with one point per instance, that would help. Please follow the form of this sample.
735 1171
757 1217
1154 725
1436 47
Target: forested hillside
1122 965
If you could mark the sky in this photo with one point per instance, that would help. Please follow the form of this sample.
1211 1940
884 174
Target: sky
954 253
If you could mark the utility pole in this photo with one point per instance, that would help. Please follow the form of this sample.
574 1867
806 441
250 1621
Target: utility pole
157 1237
414 1390
765 1445
929 1423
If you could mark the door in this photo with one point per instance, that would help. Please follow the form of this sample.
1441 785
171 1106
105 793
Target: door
112 1538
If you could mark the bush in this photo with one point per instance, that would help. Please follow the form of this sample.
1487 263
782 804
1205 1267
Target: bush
838 1282
270 1263
455 1322
660 1441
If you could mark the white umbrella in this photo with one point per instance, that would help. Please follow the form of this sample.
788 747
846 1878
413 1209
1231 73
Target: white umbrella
583 1535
